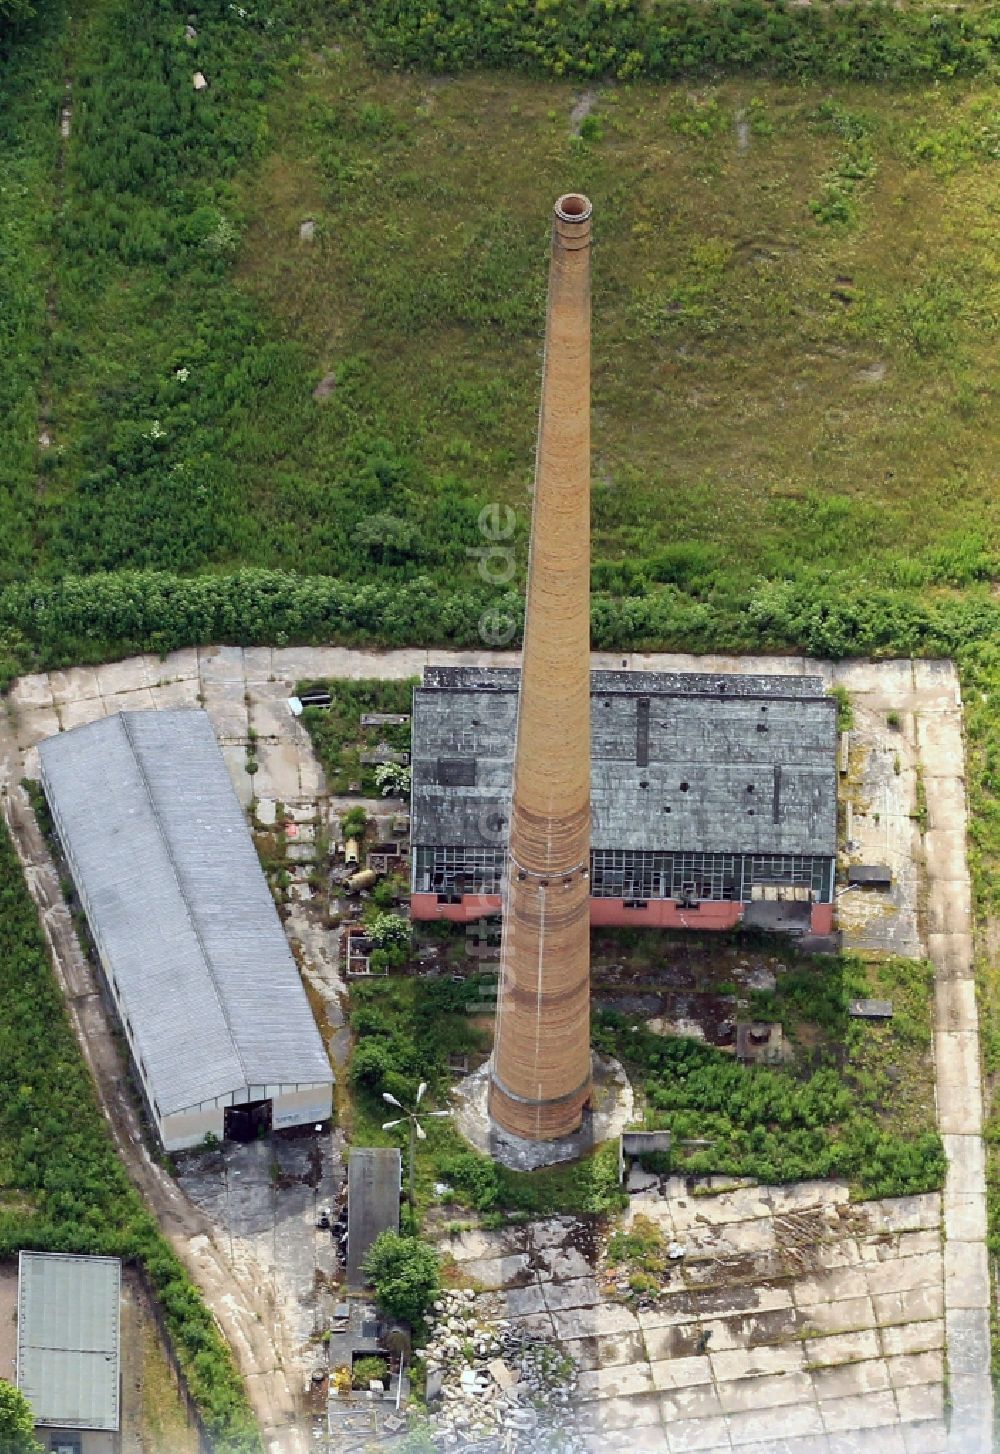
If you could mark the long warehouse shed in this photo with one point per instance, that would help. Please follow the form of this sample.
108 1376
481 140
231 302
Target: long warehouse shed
222 1037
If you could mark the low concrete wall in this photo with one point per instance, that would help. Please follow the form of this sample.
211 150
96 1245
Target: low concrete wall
299 1108
612 913
185 1129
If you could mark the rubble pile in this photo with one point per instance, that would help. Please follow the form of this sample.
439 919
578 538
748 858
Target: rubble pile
492 1385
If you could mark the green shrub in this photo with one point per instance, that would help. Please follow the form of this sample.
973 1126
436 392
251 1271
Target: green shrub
474 1177
664 38
369 1370
406 1276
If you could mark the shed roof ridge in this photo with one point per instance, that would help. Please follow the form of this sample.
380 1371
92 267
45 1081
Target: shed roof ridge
191 918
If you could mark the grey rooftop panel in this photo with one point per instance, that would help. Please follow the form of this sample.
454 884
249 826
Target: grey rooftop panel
373 1175
695 764
68 1339
180 907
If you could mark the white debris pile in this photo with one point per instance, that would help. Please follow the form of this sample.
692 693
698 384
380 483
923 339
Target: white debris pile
490 1382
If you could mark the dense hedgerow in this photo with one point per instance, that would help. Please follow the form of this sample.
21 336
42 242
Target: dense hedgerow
46 624
671 38
62 1186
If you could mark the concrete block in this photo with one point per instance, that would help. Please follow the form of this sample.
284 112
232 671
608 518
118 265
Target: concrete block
859 1411
921 1401
929 1437
966 1165
130 675
676 1373
77 714
221 664
753 1362
913 1306
967 1331
700 1401
967 1276
916 1368
34 725
75 685
955 1005
688 1435
903 1214
958 1082
846 1316
833 1286
904 1273
851 1379
581 1292
913 1338
742 1395
792 1421
842 1348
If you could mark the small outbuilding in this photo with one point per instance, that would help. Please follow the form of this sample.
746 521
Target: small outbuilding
69 1350
373 1194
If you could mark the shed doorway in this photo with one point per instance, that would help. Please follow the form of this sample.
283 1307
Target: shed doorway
247 1122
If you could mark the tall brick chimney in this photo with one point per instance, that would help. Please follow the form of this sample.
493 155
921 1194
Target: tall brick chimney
540 1072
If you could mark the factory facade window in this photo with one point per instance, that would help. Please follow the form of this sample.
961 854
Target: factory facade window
456 871
636 875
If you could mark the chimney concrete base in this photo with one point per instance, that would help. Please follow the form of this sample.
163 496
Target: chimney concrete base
611 1109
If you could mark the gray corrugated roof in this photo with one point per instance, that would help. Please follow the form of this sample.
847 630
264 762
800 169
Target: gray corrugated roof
180 907
68 1341
747 791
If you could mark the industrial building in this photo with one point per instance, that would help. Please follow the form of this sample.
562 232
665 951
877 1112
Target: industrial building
194 956
713 798
69 1350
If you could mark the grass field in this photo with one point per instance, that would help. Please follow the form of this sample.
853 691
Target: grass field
795 301
771 382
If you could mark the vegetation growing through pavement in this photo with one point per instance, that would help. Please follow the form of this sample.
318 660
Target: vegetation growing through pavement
338 738
856 1101
643 1250
63 1188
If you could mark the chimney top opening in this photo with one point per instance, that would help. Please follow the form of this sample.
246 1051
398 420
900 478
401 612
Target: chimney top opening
574 207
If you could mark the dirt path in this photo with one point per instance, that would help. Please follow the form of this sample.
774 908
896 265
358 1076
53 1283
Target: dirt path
253 1328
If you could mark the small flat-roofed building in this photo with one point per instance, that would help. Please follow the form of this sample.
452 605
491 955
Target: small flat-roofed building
195 959
69 1350
713 798
373 1185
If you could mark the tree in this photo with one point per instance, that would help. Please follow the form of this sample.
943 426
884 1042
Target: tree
17 1423
392 779
406 1276
354 822
12 11
388 930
